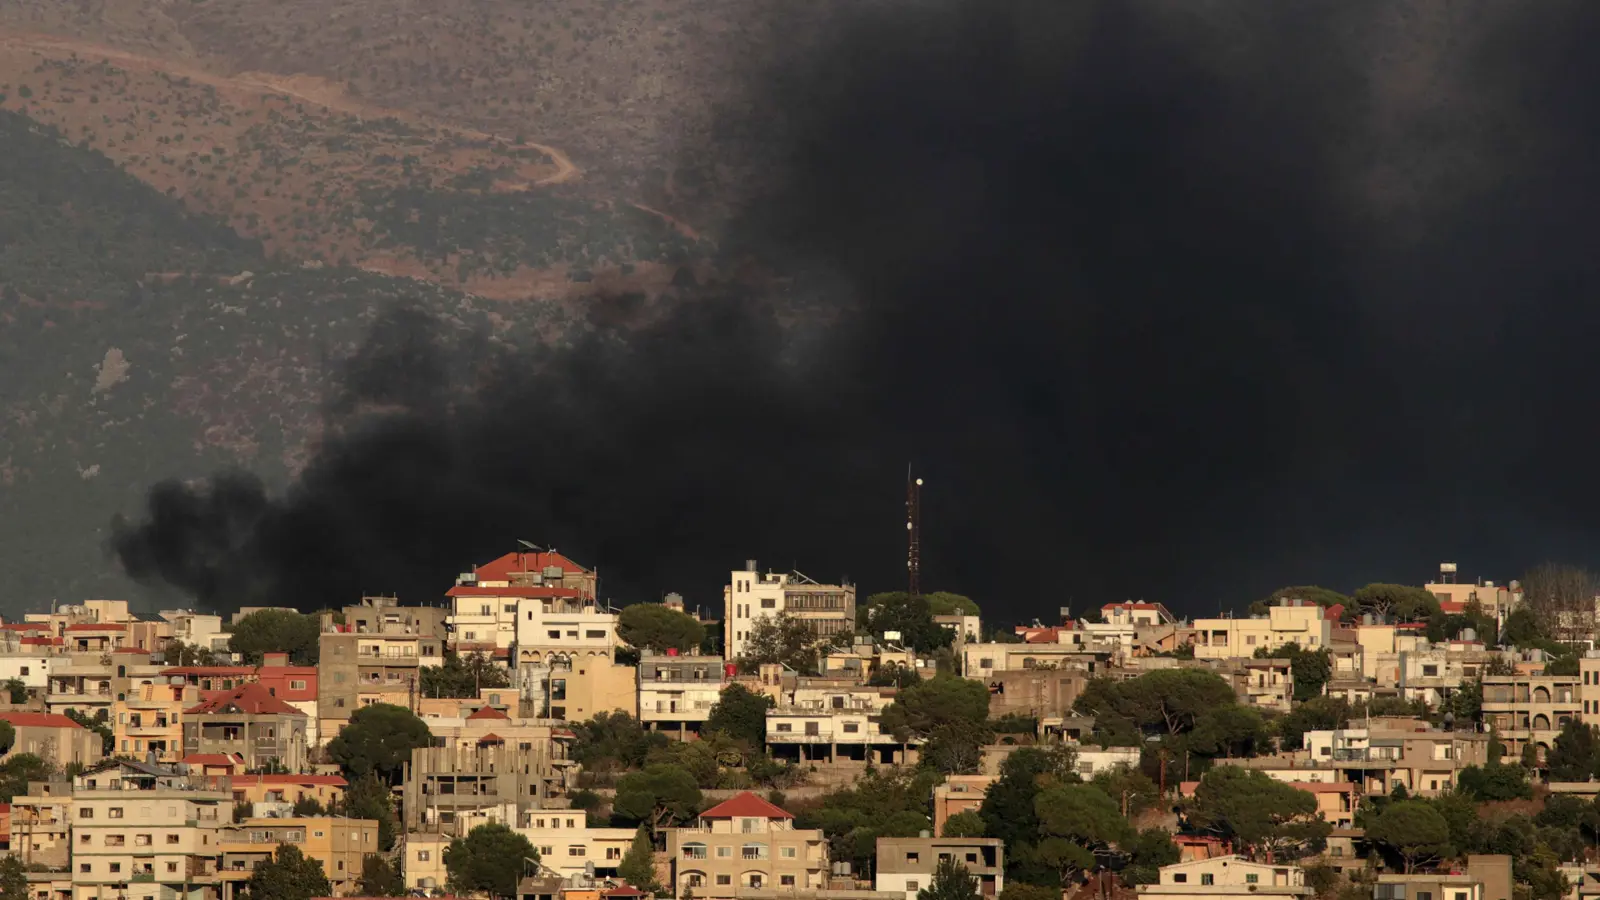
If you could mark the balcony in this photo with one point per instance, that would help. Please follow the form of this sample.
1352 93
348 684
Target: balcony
143 877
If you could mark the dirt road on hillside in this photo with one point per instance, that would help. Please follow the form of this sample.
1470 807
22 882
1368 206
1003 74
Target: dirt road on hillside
308 88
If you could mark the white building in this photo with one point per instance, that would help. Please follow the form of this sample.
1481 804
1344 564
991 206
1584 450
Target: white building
750 596
676 693
833 722
1227 876
539 603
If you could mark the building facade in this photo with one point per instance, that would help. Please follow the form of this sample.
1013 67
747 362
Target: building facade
750 596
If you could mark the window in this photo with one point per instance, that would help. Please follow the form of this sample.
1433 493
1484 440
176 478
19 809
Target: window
1207 878
114 812
115 840
786 880
785 727
1180 878
911 885
724 879
553 634
851 727
86 813
613 853
1430 671
83 867
24 670
172 839
1337 851
297 685
483 610
769 603
695 850
812 728
511 609
1424 895
1252 878
116 867
83 838
592 633
972 857
913 857
577 850
985 663
787 853
172 867
724 852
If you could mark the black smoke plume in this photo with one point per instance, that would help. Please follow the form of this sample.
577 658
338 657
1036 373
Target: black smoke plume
1168 300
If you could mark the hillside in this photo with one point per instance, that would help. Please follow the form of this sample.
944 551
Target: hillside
140 342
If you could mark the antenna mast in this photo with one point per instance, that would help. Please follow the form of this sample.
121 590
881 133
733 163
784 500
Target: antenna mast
913 534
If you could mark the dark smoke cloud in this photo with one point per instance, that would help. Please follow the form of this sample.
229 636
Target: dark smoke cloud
1130 283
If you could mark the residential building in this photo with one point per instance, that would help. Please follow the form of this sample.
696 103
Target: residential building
149 719
81 683
363 668
1090 759
582 687
981 661
1131 613
340 845
750 596
829 719
676 693
1381 645
906 865
41 823
968 629
540 602
1266 684
282 792
958 794
1532 709
490 726
1034 692
447 787
745 843
1589 686
378 614
1396 752
27 664
567 845
54 738
1433 673
1292 621
422 860
1227 876
194 629
250 724
1487 877
1498 600
145 832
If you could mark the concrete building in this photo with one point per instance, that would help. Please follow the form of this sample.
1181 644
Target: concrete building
1138 614
250 724
54 738
906 865
1531 708
194 629
1227 876
1267 684
676 693
745 843
827 719
1291 622
568 846
1487 877
1393 752
27 664
363 668
958 794
1034 692
41 824
582 687
982 661
750 596
539 602
448 788
146 833
149 719
284 791
340 845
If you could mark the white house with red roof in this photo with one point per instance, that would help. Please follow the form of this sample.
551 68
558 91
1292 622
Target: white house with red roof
539 604
745 843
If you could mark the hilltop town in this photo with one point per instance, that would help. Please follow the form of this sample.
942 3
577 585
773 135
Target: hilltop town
520 738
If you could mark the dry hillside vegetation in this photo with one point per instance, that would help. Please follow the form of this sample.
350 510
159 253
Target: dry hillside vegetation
319 177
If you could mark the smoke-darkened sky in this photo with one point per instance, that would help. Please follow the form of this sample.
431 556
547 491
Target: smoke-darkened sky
1181 301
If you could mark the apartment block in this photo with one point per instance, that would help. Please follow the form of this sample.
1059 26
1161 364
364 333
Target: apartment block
1526 709
981 661
1487 877
676 693
340 845
282 792
148 719
1034 692
906 865
583 686
250 724
1227 876
146 833
1397 752
958 794
362 668
447 788
1138 614
53 737
540 603
568 846
1291 622
41 824
826 719
750 596
745 843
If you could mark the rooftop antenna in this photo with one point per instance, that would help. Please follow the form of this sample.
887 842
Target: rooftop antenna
534 547
913 534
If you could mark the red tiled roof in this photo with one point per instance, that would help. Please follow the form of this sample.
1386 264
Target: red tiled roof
249 780
1453 606
487 712
1130 605
471 590
98 626
251 698
46 641
491 738
1334 613
37 720
27 626
524 561
745 805
623 891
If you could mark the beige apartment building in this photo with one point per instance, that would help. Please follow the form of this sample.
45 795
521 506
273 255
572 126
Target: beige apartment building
750 596
676 693
1227 877
41 821
339 845
1526 709
1397 752
53 737
1488 877
827 719
149 719
363 668
251 725
1291 622
743 844
148 828
582 687
567 845
982 661
958 794
905 866
450 789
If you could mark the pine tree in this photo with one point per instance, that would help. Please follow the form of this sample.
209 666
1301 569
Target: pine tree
638 868
292 876
951 881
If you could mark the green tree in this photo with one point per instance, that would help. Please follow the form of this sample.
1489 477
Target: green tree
99 725
13 879
17 770
638 867
660 796
1258 811
369 797
462 676
1150 850
614 740
1316 714
1576 753
1230 731
951 881
308 806
944 603
896 611
291 876
950 713
1495 781
1310 669
653 626
277 630
1321 596
964 825
1128 786
1008 810
177 653
8 736
1404 603
380 879
1412 830
378 739
1022 890
16 690
489 859
1167 701
879 804
741 714
783 639
1077 823
1521 630
892 674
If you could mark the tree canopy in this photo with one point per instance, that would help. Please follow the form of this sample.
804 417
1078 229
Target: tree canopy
741 714
369 797
877 805
277 631
950 713
291 876
951 881
659 795
614 740
1077 824
964 825
1414 831
1576 753
1311 669
655 626
1258 811
896 611
1404 603
17 770
462 676
489 859
1008 810
638 866
380 878
781 639
379 739
1321 596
